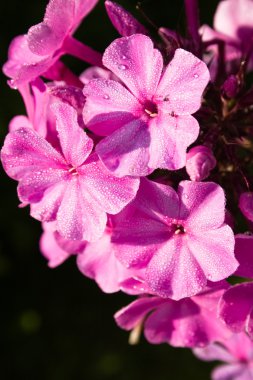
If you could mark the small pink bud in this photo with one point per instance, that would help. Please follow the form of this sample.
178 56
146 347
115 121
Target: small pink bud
246 205
199 162
230 87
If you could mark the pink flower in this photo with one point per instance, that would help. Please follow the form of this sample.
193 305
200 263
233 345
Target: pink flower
237 352
70 186
190 322
95 260
246 205
233 22
33 54
148 123
199 162
180 238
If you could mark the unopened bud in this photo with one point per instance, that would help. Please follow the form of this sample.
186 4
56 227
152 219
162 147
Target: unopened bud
199 162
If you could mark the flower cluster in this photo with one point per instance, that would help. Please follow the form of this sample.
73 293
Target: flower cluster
141 167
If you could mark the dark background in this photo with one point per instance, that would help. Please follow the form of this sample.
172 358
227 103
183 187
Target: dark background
56 324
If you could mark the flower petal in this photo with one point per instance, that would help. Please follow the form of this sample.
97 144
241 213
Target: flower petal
135 61
183 83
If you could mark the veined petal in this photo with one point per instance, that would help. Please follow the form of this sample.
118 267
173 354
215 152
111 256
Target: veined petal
183 83
135 61
75 144
108 106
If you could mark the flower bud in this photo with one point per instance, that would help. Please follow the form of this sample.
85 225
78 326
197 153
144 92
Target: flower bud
246 205
230 87
199 162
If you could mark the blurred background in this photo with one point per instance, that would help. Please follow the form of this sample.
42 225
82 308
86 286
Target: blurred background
56 324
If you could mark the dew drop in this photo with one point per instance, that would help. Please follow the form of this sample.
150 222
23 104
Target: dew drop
106 97
196 76
122 67
124 57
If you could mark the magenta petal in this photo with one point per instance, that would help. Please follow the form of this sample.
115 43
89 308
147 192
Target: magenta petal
105 190
25 152
234 18
235 306
174 272
246 205
135 61
108 106
129 316
183 83
122 20
202 204
78 218
170 137
46 209
98 262
214 251
50 249
232 372
212 352
71 135
18 122
244 255
126 152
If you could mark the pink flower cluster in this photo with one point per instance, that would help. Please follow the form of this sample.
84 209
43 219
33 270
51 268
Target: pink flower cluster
141 167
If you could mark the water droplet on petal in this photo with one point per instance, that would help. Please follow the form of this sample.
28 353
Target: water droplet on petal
122 67
106 97
196 75
124 57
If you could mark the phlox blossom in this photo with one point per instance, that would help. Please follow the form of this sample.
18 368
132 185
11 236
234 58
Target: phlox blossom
180 238
190 322
70 186
147 119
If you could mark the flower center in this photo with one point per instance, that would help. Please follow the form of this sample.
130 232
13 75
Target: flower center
73 171
151 109
179 229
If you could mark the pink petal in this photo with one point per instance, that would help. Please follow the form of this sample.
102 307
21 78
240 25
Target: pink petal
46 209
234 18
108 192
129 316
170 137
212 352
232 372
244 255
98 262
183 83
174 272
71 135
108 106
50 249
135 61
214 252
203 205
235 306
78 218
18 122
32 186
122 20
125 152
25 152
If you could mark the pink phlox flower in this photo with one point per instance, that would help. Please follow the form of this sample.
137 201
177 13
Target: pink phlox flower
233 25
236 305
236 351
70 186
180 238
32 54
148 121
190 322
199 162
